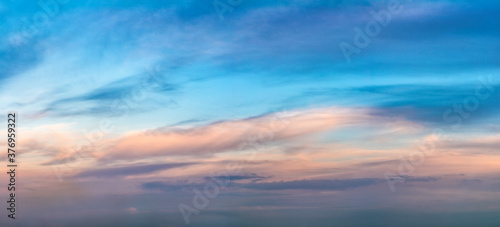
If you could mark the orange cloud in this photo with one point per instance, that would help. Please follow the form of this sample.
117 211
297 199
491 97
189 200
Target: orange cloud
239 134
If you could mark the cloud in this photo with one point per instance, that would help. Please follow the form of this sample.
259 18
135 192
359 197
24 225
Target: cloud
129 170
237 135
185 184
252 176
427 103
419 179
316 184
168 187
334 185
107 99
473 145
132 210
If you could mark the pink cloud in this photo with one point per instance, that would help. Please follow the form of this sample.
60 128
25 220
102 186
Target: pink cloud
232 135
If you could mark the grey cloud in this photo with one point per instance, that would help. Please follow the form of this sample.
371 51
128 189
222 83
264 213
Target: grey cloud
130 170
335 185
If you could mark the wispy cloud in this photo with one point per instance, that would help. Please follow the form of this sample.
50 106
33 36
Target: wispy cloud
230 135
129 170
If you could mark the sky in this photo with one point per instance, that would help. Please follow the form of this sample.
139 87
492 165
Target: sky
252 113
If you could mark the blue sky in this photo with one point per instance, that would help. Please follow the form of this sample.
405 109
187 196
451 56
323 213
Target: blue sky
178 90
